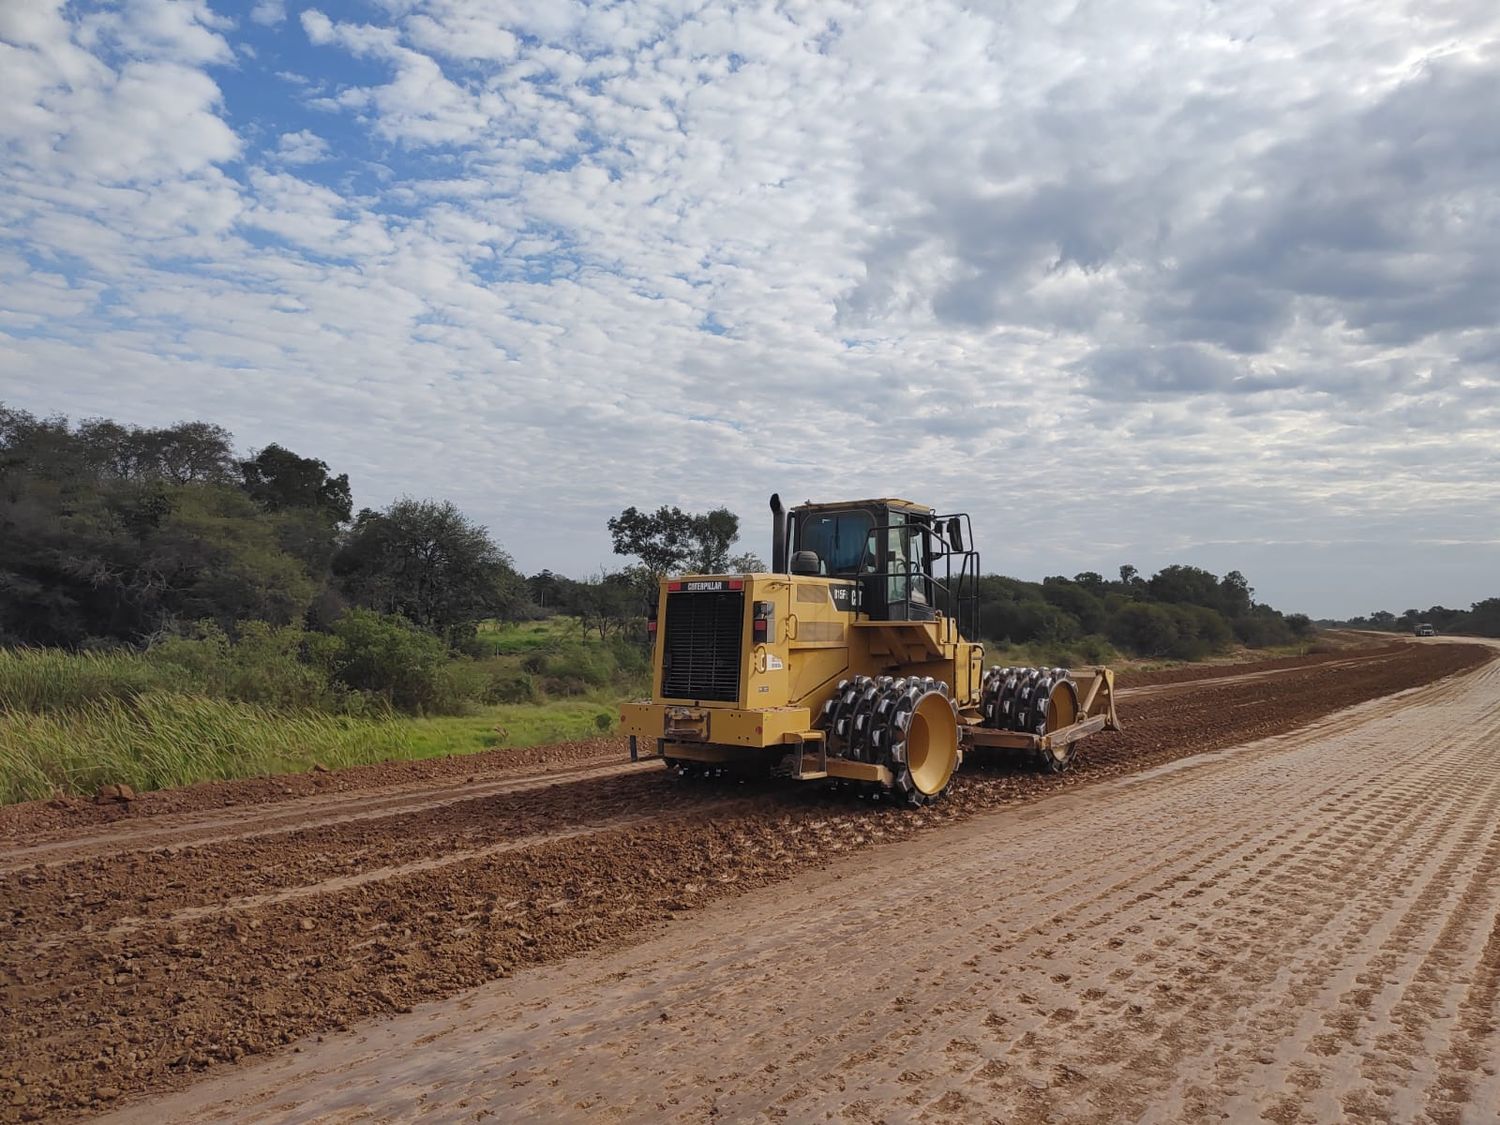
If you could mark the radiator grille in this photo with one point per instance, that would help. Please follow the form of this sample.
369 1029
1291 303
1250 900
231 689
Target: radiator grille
702 646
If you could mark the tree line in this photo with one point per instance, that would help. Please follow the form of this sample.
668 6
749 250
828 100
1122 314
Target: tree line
1482 619
113 534
1181 612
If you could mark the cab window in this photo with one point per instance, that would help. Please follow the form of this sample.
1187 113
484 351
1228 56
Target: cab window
839 538
905 559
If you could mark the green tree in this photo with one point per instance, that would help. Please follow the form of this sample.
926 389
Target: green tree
187 453
37 449
547 589
611 603
429 563
117 532
388 657
214 559
1262 627
1235 595
1300 624
306 503
1092 581
279 480
669 540
1484 617
1075 600
1200 631
1184 585
1147 629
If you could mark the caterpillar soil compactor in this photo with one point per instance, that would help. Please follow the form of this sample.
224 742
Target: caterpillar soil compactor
850 660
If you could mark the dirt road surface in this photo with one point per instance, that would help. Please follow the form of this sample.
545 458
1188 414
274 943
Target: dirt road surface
1293 929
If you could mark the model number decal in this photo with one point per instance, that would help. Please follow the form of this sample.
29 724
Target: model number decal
845 598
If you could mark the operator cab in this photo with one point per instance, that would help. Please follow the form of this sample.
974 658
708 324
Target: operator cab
891 547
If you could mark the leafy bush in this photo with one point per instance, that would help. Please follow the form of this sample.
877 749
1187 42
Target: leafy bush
1200 632
574 668
1259 630
393 660
265 664
1300 624
1182 612
1093 650
1145 628
510 685
1077 602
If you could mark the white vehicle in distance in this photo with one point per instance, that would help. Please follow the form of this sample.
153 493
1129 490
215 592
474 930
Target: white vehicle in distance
1426 630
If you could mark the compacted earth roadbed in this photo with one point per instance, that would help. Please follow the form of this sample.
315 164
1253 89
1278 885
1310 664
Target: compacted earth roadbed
1298 928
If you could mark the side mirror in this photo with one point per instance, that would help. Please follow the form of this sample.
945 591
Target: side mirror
955 534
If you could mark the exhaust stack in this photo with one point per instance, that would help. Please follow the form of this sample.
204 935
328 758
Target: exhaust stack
778 535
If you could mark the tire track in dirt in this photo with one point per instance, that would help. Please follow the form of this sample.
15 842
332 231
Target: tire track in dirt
337 883
1377 838
1196 868
97 892
1467 1070
196 830
1081 904
1431 983
1195 981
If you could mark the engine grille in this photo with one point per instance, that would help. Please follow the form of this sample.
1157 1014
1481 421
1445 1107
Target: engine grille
702 645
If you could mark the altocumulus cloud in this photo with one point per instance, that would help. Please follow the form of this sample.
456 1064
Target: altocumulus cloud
1152 283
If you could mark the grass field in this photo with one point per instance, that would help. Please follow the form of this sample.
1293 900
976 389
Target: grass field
514 724
528 636
72 722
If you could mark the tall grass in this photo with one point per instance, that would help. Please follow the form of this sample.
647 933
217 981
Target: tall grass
159 739
50 679
270 700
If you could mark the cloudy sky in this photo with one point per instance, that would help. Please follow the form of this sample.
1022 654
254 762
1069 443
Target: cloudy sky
1135 282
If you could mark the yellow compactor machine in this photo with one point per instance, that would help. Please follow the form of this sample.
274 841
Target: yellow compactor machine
850 660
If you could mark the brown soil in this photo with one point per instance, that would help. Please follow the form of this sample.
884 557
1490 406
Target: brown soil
1346 649
1301 929
137 954
24 821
